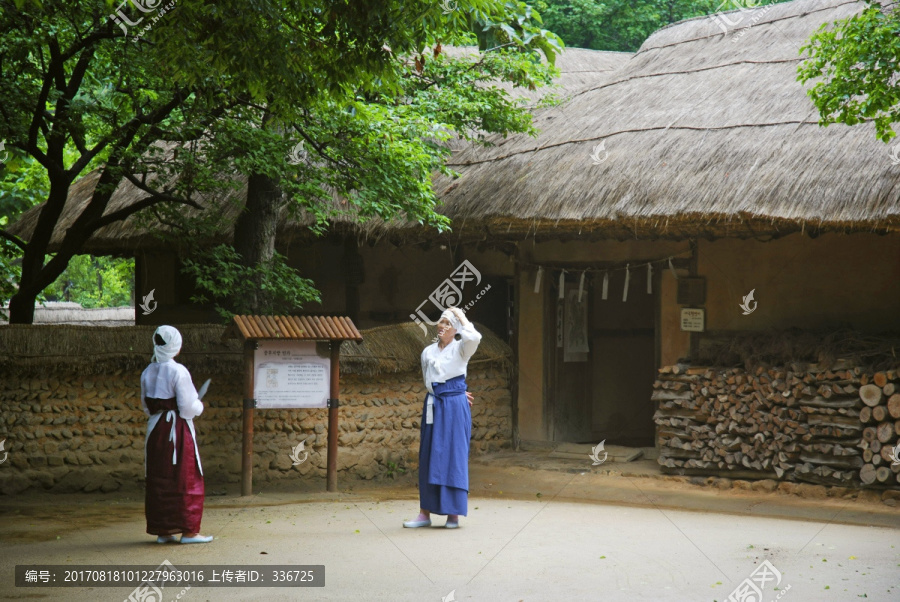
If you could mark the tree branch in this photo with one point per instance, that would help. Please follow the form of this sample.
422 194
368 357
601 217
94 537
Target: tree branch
13 239
126 212
163 196
129 130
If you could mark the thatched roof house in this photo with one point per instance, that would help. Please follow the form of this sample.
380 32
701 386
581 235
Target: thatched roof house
705 133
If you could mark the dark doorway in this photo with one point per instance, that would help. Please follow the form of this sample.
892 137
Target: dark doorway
603 393
623 361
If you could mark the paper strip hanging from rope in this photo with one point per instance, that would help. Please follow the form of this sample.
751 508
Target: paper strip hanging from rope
672 269
578 268
605 285
581 286
627 278
537 280
562 285
649 279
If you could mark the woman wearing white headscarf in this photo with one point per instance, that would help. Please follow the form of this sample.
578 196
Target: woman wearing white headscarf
446 422
175 490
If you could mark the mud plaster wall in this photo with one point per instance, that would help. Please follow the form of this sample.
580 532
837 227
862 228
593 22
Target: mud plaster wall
67 432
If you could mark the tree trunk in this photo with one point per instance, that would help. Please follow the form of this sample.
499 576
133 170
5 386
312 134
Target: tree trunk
21 307
254 232
35 275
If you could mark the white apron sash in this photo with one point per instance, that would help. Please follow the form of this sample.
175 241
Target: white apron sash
429 409
172 417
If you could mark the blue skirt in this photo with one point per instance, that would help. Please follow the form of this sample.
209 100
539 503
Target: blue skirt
444 450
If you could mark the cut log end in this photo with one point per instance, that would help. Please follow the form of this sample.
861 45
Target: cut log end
867 474
871 395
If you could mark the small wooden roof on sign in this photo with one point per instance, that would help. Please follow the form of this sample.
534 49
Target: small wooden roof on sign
298 328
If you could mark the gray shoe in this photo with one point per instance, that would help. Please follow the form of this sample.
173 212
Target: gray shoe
415 524
451 525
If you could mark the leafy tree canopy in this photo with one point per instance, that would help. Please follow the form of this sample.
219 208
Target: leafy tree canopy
854 64
171 100
623 25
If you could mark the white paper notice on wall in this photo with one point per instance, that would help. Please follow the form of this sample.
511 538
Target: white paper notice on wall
290 374
693 319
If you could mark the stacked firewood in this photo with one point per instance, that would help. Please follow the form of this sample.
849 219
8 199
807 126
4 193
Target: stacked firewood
798 422
880 417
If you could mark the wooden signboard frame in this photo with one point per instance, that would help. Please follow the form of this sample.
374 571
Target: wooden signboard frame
253 329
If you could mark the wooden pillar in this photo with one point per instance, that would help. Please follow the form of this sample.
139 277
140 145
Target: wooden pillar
695 336
514 345
248 405
331 476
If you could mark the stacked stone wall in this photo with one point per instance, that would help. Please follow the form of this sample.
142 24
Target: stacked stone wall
66 432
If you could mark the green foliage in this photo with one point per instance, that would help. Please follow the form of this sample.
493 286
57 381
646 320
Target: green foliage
393 471
513 24
854 63
95 282
623 25
227 87
620 25
23 184
10 272
228 284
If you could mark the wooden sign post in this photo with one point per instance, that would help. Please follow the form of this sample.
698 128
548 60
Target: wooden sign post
285 367
331 474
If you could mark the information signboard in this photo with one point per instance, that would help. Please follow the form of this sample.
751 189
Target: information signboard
290 374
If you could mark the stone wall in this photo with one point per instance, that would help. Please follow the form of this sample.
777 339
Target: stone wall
66 431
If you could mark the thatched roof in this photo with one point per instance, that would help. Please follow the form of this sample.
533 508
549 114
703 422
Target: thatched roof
705 133
92 350
66 312
578 68
702 134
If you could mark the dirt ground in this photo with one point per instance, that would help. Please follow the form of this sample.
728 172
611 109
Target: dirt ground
527 512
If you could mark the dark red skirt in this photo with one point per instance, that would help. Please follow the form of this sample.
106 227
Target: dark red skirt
174 498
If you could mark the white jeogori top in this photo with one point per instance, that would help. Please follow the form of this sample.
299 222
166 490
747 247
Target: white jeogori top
440 365
165 380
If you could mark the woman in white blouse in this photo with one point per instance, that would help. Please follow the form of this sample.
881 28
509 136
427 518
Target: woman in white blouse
446 422
175 491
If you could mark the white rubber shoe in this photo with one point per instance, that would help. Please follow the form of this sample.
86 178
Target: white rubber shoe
197 539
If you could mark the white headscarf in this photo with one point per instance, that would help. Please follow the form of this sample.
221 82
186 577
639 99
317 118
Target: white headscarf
169 334
452 317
